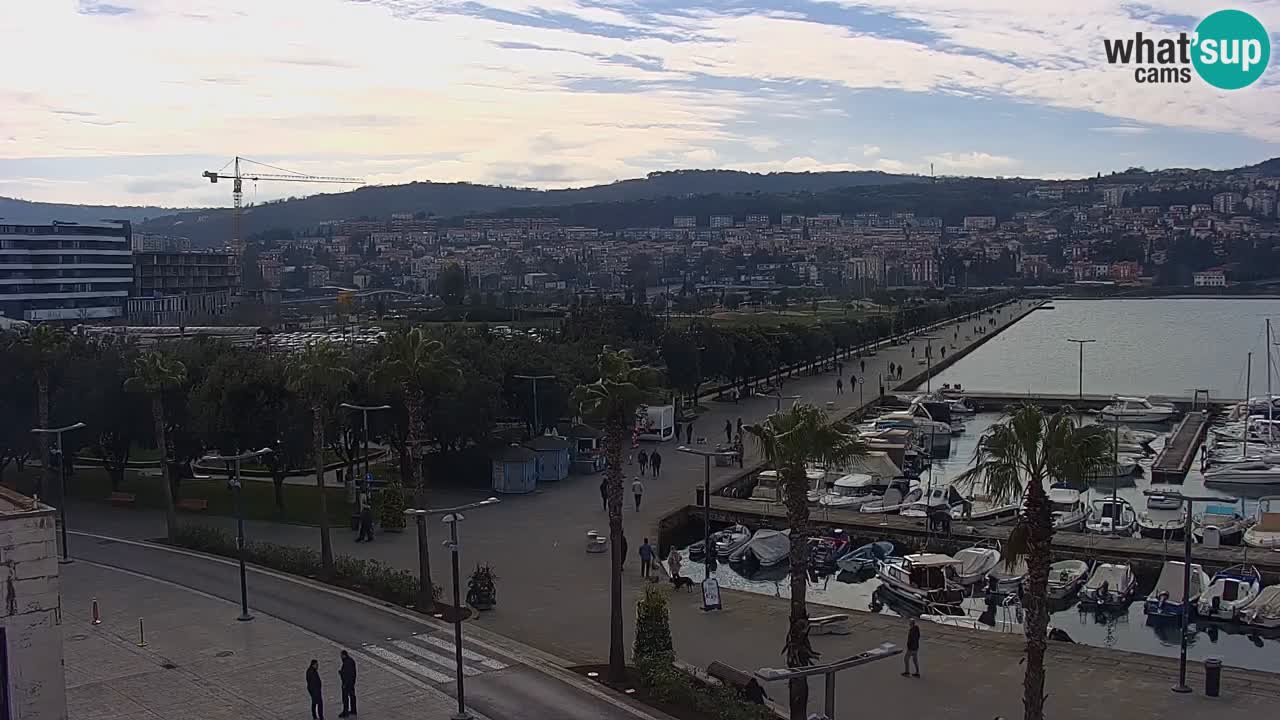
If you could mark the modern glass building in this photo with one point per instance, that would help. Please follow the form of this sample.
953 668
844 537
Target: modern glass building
65 271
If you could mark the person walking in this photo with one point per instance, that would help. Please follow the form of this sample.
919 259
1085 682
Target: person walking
912 656
637 489
646 559
604 494
913 351
347 676
688 433
655 461
862 366
673 566
728 432
314 690
643 460
366 520
891 369
839 386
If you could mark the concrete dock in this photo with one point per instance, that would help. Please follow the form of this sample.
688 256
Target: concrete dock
1174 461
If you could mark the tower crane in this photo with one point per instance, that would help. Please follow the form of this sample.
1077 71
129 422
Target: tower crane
237 189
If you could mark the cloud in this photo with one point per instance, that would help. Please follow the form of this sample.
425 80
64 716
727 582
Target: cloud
1121 129
971 162
870 150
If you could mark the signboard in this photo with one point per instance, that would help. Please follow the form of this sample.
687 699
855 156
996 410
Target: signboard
710 594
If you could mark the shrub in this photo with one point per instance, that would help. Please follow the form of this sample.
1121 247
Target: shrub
653 628
392 507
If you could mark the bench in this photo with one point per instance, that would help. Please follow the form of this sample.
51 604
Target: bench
732 677
829 625
123 499
193 505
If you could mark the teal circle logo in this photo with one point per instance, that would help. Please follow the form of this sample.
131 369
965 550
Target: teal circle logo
1231 49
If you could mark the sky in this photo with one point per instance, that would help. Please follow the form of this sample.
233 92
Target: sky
127 101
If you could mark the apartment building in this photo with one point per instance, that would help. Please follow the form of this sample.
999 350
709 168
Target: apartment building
65 271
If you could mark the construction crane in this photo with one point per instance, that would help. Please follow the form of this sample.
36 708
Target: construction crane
237 188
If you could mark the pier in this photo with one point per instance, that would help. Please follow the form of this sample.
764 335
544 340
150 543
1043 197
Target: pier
1179 452
1050 401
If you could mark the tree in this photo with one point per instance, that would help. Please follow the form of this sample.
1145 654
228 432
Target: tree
319 374
452 285
17 402
790 441
153 374
1037 448
653 630
613 399
46 348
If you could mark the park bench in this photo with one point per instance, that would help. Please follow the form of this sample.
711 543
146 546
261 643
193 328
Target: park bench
193 505
732 677
123 499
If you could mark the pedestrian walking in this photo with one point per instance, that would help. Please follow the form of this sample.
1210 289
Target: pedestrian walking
890 369
655 461
728 432
913 351
912 656
637 489
646 558
366 520
862 366
839 386
688 434
604 494
622 558
737 448
674 562
944 352
347 676
314 690
643 460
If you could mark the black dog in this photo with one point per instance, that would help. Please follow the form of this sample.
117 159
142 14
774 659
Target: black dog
680 581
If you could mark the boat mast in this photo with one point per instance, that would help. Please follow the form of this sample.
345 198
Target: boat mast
1248 378
1246 422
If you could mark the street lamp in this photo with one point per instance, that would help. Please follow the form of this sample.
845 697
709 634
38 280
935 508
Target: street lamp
62 481
233 481
1081 343
537 425
708 556
885 650
453 516
779 397
364 410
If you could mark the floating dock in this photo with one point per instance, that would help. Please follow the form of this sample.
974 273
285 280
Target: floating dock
1179 452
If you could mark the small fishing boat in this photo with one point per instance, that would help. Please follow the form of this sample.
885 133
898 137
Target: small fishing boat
1068 508
1229 592
901 493
825 550
1165 600
1111 516
944 498
1003 579
1109 585
730 539
1066 577
1222 520
852 491
922 580
1265 533
973 563
1163 502
1136 410
1251 472
1264 611
865 557
1162 525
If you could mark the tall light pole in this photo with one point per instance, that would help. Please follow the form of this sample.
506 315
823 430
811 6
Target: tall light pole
537 425
1081 343
708 554
62 481
453 516
233 482
365 410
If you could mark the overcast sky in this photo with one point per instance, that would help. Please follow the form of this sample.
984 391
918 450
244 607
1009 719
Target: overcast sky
127 101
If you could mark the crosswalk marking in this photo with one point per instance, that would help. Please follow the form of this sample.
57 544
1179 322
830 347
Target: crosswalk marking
431 657
472 656
411 666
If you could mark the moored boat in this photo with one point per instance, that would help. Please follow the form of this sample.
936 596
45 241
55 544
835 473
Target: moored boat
924 579
767 547
1222 520
1165 599
973 563
1111 516
901 493
1264 610
1067 507
1162 525
1109 585
1251 472
1136 410
943 498
1229 592
865 557
1265 533
1066 577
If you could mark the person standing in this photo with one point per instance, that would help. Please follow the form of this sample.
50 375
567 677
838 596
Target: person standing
862 365
912 656
643 460
655 461
646 558
314 690
739 431
673 565
737 448
890 369
688 433
637 489
366 520
347 675
604 494
839 386
728 432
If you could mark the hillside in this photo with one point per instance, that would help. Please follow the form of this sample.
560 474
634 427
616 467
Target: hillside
19 212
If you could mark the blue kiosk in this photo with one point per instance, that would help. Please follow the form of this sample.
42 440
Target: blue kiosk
515 470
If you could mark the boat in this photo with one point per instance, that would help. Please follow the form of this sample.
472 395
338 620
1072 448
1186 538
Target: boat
985 507
1163 502
1136 410
1251 472
944 498
1066 577
901 493
766 547
1111 516
1109 585
1229 592
1122 467
852 491
1223 520
951 390
865 557
1165 600
730 539
973 563
1003 579
1003 617
1162 525
1264 611
923 579
768 487
825 550
1265 533
1067 507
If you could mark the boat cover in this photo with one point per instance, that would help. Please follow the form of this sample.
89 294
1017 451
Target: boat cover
769 546
976 561
1116 577
1170 582
1265 609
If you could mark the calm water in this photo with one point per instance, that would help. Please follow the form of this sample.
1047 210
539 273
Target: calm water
1144 347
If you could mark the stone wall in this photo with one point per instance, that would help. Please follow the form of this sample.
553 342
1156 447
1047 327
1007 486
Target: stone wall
30 612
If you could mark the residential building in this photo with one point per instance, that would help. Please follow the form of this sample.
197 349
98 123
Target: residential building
177 288
1114 195
979 222
65 271
684 221
721 221
1224 203
1209 278
757 221
31 675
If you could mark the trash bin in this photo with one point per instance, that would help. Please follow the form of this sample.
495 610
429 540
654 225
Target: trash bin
701 496
1212 676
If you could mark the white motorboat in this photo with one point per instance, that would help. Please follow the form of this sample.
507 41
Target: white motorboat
923 580
1229 592
730 539
944 498
1136 410
902 493
1264 611
1068 508
1165 600
768 487
852 491
865 557
1252 472
1109 585
1122 467
1003 579
1111 516
1223 520
1162 524
973 563
1265 533
985 507
767 547
1163 502
1004 618
1066 577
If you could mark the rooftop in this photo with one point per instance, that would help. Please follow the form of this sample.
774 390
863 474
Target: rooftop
13 503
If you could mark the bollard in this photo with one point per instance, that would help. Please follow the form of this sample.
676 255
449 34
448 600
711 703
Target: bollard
142 637
1212 676
97 617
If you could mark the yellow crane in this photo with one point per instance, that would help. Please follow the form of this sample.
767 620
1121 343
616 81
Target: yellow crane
237 188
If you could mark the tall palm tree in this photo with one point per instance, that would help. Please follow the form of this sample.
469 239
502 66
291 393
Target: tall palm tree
614 399
153 374
46 348
1038 448
318 374
791 440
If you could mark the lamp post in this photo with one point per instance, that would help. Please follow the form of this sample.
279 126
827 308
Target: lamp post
779 397
365 410
537 425
1081 343
453 516
708 555
829 670
233 481
62 481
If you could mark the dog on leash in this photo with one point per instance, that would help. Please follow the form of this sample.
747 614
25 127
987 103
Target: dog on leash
678 582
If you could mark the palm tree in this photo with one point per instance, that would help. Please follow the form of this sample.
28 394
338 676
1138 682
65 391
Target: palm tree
318 374
791 440
46 348
614 399
1035 447
153 374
